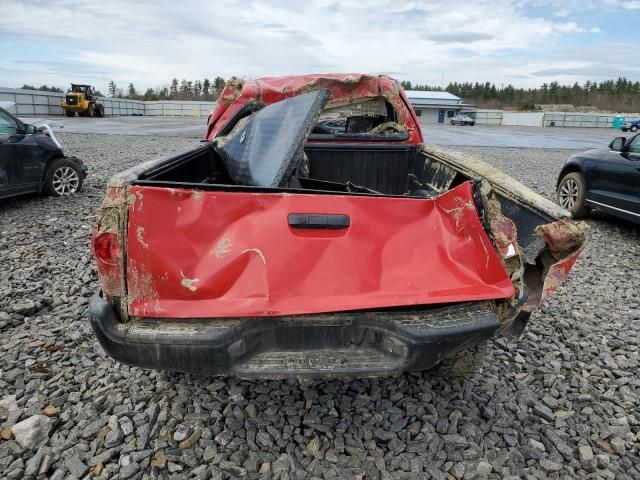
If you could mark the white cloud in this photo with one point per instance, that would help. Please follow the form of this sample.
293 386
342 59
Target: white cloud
150 43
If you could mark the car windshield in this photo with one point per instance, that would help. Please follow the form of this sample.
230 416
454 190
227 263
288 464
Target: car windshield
7 124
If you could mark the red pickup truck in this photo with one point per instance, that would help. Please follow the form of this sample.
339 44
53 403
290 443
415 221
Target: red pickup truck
313 234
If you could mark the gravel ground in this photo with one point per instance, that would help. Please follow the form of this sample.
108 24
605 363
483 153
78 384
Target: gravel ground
559 402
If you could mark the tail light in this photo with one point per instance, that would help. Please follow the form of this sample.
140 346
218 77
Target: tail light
105 248
108 254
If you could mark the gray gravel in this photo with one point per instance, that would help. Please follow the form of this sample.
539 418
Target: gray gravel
562 401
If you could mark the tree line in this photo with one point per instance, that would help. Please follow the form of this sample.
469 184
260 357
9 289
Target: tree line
206 90
621 95
42 88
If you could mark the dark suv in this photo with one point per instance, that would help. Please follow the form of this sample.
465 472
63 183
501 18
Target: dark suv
32 161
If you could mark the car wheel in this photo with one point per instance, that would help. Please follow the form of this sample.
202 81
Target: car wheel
63 177
634 128
463 364
571 194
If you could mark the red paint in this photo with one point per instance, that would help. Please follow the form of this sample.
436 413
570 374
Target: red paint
558 273
343 88
232 254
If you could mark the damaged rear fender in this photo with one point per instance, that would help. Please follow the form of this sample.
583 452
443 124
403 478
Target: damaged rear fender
537 241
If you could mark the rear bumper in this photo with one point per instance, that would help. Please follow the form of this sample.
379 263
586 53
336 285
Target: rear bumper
326 345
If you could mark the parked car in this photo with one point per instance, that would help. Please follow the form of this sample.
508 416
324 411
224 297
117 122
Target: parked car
313 234
631 124
32 161
462 120
606 179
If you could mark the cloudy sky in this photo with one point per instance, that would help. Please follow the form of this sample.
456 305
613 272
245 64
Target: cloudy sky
523 42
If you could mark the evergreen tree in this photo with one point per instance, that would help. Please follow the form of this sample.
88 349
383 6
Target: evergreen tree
150 94
113 89
206 85
218 84
173 90
184 88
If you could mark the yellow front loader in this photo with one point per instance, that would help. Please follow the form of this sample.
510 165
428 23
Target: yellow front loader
82 99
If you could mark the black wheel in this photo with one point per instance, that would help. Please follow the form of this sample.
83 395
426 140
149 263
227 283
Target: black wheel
63 177
571 193
634 128
464 363
69 113
99 110
91 111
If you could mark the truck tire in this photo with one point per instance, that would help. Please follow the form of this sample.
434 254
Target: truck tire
91 111
63 177
69 113
571 194
463 364
634 128
99 110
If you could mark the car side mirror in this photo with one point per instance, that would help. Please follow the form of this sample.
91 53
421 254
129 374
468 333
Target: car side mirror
618 144
31 129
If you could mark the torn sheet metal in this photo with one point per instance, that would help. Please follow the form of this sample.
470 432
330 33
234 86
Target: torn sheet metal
565 240
234 254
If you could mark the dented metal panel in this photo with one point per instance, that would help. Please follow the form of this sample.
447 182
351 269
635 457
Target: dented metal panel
234 254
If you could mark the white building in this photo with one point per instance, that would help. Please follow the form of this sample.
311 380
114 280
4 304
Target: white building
435 107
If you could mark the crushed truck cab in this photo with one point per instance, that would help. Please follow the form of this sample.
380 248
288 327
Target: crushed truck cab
313 234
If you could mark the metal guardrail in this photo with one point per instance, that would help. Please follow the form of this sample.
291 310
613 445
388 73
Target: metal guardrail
37 103
581 120
488 117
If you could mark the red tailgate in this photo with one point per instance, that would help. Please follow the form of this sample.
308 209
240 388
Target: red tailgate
194 253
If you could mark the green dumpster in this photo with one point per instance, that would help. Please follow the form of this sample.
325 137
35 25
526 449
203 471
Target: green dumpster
618 120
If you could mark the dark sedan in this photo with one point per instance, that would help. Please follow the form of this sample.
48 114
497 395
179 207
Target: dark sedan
606 179
32 161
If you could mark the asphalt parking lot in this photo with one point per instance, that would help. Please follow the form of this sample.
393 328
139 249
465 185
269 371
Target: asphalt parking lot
192 127
526 137
559 402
